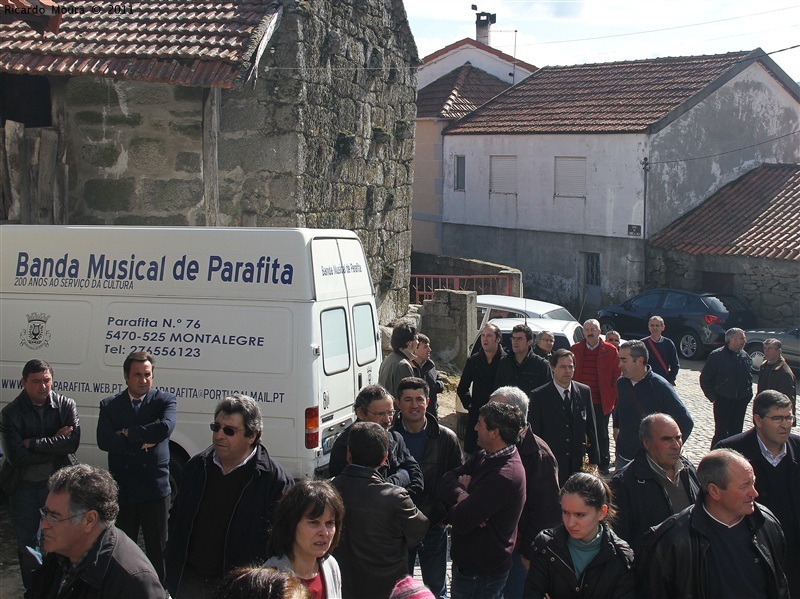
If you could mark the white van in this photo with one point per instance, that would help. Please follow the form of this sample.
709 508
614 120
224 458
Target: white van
286 316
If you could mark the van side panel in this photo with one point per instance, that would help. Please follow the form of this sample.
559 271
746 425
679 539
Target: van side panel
222 311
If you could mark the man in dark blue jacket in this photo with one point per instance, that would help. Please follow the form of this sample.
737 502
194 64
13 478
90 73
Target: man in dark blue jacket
134 428
222 515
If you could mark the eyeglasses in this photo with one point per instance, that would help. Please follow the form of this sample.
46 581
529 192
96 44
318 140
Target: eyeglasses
45 514
228 430
778 419
382 415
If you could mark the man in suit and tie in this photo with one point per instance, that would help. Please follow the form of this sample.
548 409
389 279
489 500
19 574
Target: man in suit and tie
134 428
561 413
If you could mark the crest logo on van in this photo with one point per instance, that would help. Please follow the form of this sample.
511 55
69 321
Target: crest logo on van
35 335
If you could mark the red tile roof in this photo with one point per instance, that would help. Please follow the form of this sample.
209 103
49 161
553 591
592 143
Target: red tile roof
459 92
40 15
471 42
208 43
597 98
757 215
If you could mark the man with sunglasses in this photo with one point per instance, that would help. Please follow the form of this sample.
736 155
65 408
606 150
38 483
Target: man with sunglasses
134 428
87 556
774 453
375 404
222 515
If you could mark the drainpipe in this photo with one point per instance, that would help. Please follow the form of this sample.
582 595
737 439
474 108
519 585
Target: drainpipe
646 169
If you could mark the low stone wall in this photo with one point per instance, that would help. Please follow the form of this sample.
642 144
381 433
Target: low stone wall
770 287
449 319
433 264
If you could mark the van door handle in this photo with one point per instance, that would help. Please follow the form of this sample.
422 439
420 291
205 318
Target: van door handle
360 380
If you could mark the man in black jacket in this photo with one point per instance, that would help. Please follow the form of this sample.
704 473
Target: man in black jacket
725 545
658 482
478 381
134 428
435 447
522 368
774 453
727 383
87 556
375 404
222 515
40 431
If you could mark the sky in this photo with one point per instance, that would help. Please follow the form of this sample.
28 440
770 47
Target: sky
566 32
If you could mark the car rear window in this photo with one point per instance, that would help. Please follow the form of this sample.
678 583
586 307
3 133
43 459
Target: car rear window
725 303
558 314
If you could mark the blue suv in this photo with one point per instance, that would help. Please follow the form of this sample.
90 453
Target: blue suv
696 322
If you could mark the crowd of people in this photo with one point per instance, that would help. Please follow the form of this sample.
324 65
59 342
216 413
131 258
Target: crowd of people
531 507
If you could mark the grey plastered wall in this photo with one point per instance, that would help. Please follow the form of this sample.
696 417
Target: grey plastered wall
552 263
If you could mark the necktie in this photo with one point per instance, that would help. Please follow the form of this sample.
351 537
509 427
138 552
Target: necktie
136 404
567 401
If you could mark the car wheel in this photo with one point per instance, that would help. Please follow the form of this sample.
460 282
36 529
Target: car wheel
607 325
690 346
756 351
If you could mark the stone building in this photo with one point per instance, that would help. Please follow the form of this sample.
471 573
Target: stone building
217 113
744 239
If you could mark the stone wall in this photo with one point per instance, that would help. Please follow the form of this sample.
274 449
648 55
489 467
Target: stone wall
450 319
323 138
770 287
434 264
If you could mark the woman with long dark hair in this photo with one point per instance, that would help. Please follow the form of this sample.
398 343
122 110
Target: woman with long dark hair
308 524
582 557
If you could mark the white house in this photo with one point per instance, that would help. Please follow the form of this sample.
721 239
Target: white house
451 82
566 174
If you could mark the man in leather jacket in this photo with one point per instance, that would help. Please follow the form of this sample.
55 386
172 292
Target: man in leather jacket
724 545
40 431
658 483
727 383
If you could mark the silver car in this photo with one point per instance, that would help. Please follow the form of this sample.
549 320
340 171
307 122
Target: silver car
790 341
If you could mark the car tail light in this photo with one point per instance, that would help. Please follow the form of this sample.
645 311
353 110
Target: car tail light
312 427
711 319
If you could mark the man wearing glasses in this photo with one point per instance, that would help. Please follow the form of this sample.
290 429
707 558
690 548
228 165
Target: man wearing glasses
375 404
222 515
774 453
87 556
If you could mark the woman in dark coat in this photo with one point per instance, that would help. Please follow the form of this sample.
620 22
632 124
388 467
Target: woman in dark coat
582 557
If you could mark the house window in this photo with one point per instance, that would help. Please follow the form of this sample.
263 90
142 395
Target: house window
570 177
592 268
460 174
503 174
25 99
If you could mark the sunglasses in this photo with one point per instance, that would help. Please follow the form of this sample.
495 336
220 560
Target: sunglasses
228 430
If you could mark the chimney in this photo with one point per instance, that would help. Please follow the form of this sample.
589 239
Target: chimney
483 23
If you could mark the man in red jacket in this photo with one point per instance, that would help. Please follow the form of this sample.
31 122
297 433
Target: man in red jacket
597 366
